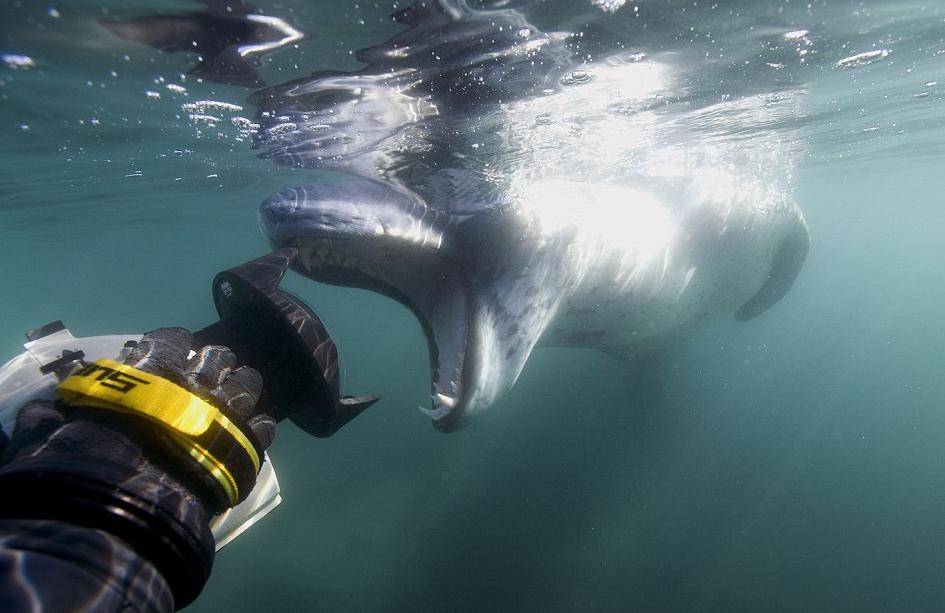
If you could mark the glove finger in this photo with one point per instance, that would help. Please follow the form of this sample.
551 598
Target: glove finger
204 372
264 427
162 352
35 422
35 414
240 391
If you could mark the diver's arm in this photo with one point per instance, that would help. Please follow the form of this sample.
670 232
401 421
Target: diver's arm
48 565
103 510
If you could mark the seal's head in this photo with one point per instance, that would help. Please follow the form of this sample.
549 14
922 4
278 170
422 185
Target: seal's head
456 273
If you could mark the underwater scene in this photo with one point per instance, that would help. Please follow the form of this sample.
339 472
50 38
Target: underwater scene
652 291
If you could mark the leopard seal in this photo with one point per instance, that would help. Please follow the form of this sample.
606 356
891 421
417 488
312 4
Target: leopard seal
509 196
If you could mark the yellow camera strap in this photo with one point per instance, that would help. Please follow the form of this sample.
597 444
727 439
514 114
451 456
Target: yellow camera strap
217 444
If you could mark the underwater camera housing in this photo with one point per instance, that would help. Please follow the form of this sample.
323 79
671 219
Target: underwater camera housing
276 333
267 328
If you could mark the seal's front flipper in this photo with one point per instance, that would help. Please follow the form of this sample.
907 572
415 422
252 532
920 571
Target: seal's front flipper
789 256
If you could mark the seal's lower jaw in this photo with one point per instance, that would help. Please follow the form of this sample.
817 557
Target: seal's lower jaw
497 346
480 378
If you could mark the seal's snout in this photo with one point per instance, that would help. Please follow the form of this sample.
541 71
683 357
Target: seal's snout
353 208
275 211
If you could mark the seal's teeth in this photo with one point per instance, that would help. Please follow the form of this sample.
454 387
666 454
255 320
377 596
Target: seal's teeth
443 399
442 391
436 413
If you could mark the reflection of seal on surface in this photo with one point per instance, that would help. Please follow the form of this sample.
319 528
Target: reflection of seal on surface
228 35
506 197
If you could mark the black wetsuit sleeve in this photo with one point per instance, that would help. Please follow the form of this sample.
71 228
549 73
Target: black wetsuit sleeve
55 567
104 510
88 522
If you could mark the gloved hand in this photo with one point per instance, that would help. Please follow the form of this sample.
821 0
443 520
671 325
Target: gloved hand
62 435
146 489
211 374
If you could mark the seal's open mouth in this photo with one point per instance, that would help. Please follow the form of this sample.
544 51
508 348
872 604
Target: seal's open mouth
366 235
439 303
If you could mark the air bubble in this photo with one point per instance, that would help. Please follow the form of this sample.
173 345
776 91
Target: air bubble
577 77
609 6
281 128
203 106
18 62
200 118
863 59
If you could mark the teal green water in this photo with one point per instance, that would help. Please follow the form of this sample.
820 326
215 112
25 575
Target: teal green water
792 463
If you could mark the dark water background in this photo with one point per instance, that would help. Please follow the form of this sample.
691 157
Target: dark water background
792 463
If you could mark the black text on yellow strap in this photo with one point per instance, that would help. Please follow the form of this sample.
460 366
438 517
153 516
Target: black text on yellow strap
111 378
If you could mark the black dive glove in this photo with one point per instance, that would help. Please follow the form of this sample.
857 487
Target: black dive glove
179 441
